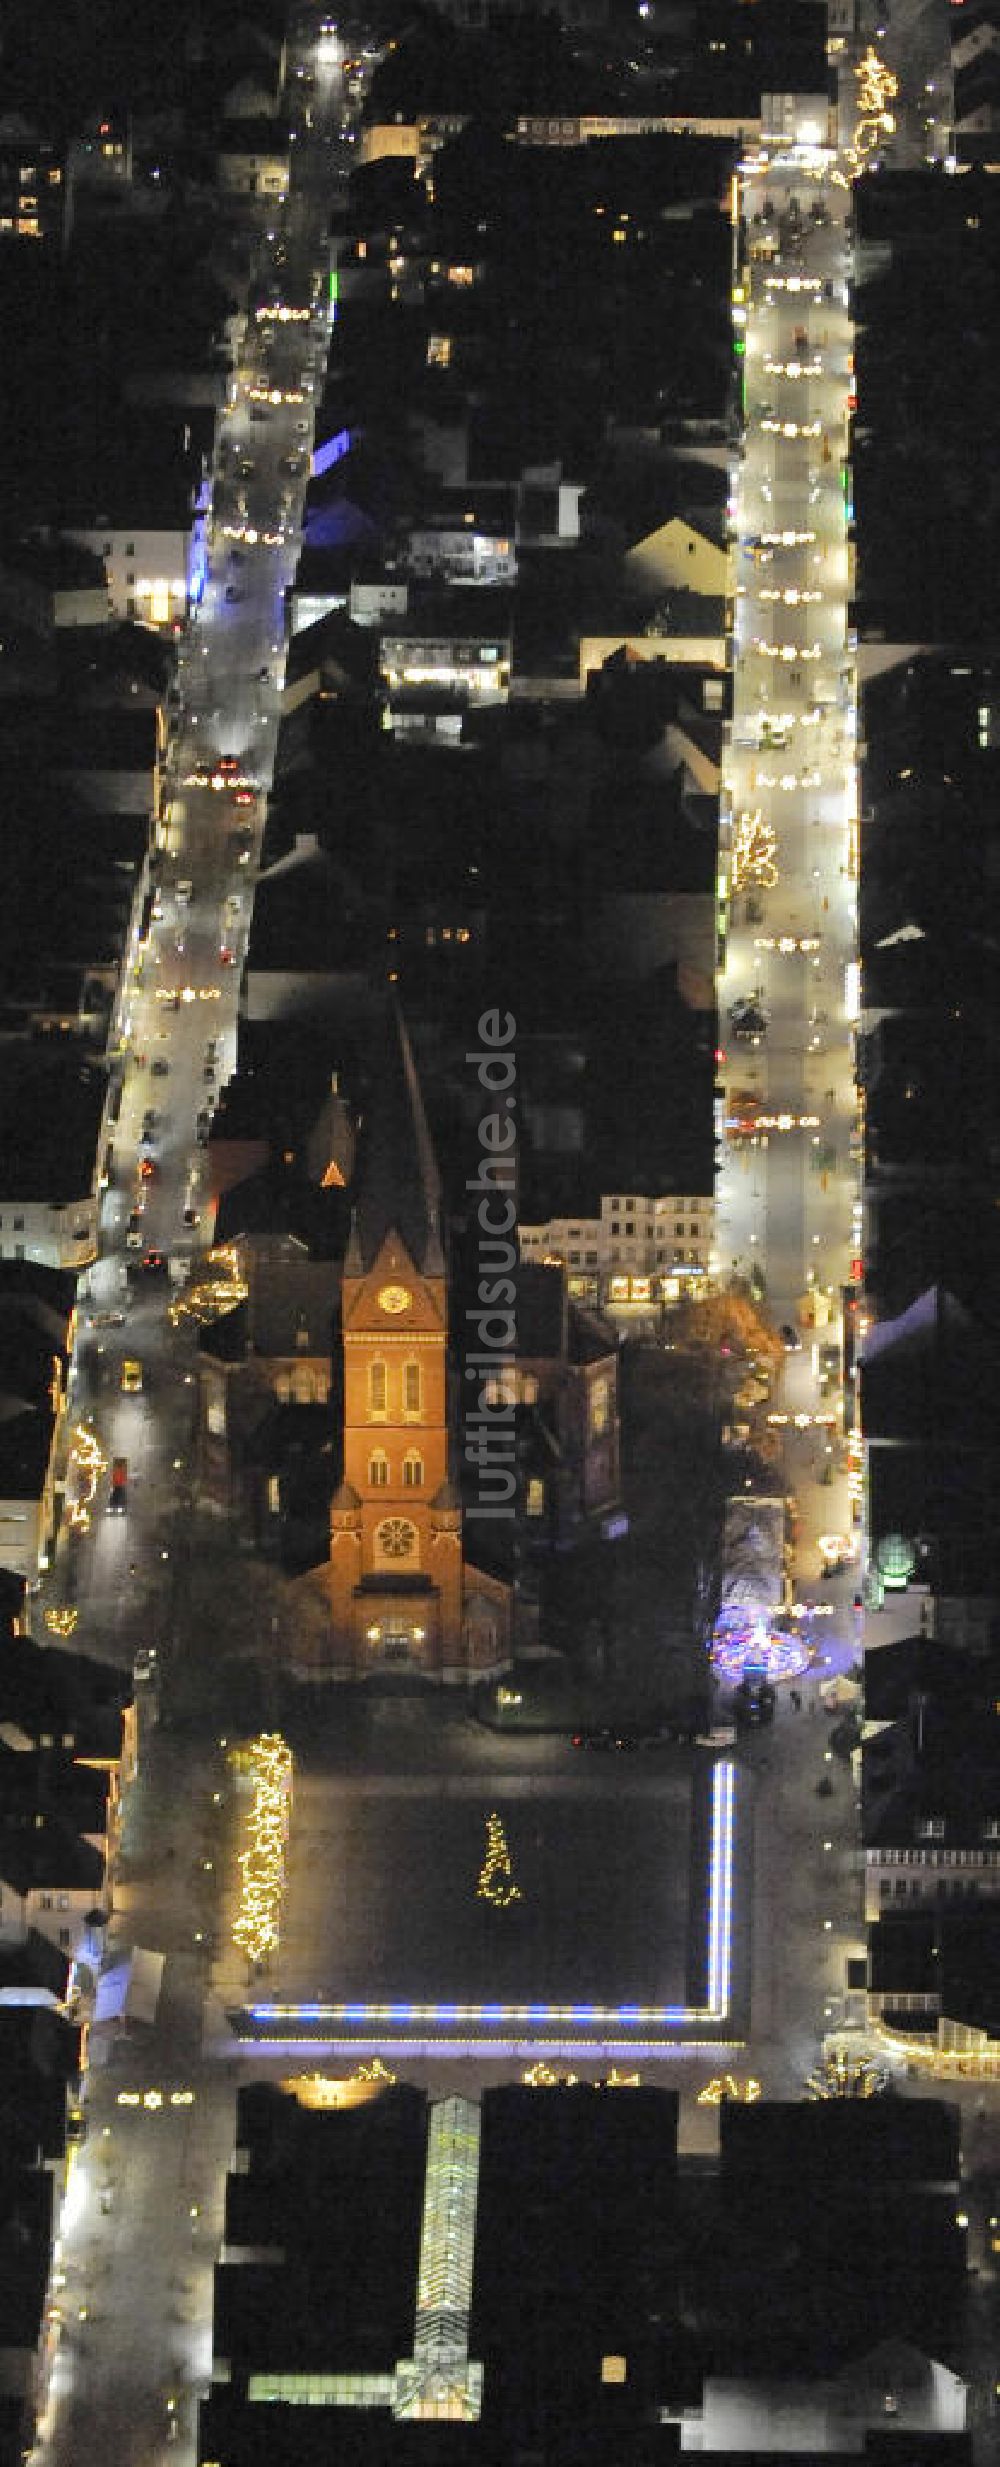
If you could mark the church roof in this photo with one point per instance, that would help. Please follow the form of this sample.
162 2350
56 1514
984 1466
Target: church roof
396 1187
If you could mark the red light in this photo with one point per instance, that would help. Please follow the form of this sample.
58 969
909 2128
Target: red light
857 1271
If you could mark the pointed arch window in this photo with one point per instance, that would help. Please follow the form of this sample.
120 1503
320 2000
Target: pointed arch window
413 1470
378 1469
412 1391
378 1390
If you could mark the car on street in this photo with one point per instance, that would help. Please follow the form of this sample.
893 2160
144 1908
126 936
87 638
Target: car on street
232 593
184 893
227 957
118 1493
106 1319
192 1216
147 1169
790 1338
606 1740
161 1067
144 1663
154 1263
131 1379
134 1237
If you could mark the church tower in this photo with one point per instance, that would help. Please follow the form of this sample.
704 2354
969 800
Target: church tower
396 1573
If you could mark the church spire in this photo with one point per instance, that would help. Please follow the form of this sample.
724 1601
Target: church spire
396 1186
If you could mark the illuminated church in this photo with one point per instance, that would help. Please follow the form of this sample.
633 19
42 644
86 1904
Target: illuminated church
402 1594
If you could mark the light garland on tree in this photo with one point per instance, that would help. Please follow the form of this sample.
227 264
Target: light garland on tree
496 1880
877 88
755 851
846 2077
86 1465
220 1291
262 1863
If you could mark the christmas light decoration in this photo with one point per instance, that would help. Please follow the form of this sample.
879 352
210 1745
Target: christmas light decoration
541 2076
218 1291
262 1863
496 1880
877 88
755 851
61 1622
83 1473
727 2086
846 2077
791 598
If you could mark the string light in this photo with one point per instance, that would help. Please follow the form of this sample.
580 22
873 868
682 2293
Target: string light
728 2086
83 1473
61 1622
540 2076
846 2077
262 1863
219 1291
755 851
877 88
496 1880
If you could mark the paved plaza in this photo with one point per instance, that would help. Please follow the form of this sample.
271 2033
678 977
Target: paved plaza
616 1919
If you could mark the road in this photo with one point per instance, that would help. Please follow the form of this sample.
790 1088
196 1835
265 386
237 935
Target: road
788 1197
141 2220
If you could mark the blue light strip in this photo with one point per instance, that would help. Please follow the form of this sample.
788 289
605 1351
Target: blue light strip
512 2018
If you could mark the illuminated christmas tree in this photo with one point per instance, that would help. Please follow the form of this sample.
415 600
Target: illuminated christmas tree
496 1881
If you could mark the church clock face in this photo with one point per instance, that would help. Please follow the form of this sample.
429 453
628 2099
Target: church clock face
396 1537
394 1298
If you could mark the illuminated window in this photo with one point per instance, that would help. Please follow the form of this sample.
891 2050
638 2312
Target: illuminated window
413 1470
412 1389
378 1389
536 1496
378 1470
396 1538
